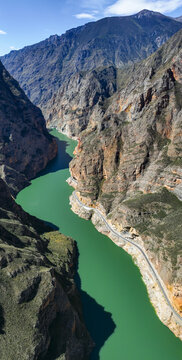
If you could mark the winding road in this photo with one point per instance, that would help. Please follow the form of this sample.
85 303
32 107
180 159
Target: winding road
116 233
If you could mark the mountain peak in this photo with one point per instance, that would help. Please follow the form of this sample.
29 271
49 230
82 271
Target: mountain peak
116 41
147 13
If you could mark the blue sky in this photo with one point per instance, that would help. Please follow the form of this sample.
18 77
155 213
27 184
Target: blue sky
25 22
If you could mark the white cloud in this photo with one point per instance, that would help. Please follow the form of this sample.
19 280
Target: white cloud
13 48
84 16
2 32
128 7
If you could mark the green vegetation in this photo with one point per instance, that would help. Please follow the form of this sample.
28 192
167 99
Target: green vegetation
161 141
107 199
60 248
164 196
166 160
159 215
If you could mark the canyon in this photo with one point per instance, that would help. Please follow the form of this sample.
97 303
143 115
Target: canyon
120 96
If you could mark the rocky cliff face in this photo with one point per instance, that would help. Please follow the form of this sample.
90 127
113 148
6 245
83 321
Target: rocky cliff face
128 159
25 145
76 104
43 68
39 300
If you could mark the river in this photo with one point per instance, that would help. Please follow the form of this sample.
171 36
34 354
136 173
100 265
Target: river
117 310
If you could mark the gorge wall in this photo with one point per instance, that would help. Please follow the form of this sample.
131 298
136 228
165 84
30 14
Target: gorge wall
128 159
126 116
25 144
37 265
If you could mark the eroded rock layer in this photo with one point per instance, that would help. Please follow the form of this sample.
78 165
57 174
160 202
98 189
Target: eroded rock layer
128 159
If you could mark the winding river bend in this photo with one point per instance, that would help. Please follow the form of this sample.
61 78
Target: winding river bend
117 310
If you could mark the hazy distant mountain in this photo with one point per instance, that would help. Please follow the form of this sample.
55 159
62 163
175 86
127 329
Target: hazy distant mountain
42 68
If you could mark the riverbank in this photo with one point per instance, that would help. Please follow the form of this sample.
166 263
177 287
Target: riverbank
117 312
157 297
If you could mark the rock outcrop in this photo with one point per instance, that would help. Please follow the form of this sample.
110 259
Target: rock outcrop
40 308
25 144
128 159
43 68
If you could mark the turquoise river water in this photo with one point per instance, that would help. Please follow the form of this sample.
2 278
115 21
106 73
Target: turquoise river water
116 306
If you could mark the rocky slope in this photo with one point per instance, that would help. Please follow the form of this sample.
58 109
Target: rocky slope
25 144
43 68
77 103
128 159
39 300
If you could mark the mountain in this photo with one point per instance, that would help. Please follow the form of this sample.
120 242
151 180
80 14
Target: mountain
36 275
25 144
41 69
92 84
128 159
179 19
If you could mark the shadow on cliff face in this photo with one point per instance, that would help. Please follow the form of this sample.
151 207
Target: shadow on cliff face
2 320
98 321
60 162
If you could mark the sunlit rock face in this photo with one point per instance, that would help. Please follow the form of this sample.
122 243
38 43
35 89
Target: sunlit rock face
128 159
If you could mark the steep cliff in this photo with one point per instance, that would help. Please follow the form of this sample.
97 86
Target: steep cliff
42 69
128 159
39 300
77 103
25 144
40 309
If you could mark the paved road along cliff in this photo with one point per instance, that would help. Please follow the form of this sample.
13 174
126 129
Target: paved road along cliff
126 239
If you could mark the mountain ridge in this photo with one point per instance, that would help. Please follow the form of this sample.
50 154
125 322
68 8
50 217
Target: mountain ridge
42 69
